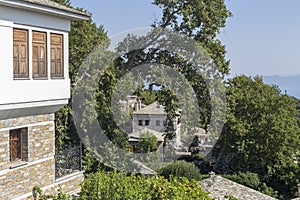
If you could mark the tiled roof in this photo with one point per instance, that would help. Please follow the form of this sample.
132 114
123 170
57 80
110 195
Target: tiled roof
49 4
152 109
218 187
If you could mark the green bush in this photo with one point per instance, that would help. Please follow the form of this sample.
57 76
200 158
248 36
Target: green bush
248 179
268 190
252 180
181 168
59 196
117 186
146 145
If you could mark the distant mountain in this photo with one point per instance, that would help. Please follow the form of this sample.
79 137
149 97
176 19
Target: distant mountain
290 84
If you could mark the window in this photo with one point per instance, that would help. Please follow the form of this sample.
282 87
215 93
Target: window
42 54
147 122
39 54
157 122
20 53
56 55
18 144
140 122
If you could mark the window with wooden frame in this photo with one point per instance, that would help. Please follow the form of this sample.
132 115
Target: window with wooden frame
18 144
39 54
57 56
20 53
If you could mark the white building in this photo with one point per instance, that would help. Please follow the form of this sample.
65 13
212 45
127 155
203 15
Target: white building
34 84
154 117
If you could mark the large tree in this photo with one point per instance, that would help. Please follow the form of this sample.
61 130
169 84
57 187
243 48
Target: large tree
261 134
200 20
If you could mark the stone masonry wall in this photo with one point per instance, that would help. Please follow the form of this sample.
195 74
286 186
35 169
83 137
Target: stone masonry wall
21 180
68 184
17 178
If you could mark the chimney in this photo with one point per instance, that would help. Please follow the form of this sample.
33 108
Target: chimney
140 104
136 106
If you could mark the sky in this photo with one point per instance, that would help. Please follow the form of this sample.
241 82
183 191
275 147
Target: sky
262 37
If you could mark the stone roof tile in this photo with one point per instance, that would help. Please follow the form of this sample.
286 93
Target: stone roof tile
50 4
152 109
218 187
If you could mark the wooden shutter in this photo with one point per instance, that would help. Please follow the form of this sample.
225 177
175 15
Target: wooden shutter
20 53
39 54
57 68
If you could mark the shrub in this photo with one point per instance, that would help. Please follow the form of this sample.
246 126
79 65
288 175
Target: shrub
252 180
117 186
60 195
146 145
248 179
268 190
181 168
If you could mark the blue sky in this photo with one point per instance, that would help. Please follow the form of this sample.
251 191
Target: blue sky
262 38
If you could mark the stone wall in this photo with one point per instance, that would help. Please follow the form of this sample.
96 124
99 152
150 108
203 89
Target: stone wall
69 184
21 180
40 138
38 167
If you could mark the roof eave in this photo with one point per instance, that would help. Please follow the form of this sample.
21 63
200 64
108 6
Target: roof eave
44 9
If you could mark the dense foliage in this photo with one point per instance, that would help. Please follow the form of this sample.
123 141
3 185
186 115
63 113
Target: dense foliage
253 181
84 36
116 186
261 134
41 196
201 21
181 168
260 137
146 145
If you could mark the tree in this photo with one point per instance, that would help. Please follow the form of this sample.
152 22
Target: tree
146 144
148 96
202 21
261 134
84 36
199 19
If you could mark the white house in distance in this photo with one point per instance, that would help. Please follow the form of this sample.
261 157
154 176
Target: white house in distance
34 84
154 117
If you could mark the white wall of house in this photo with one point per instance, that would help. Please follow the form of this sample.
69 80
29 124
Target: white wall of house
153 118
31 90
